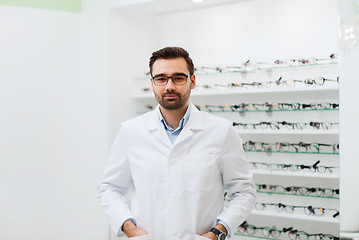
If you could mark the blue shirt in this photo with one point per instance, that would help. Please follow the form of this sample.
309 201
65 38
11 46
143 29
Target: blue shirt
173 134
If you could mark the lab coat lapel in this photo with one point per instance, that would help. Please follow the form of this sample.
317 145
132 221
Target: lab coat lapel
156 128
194 124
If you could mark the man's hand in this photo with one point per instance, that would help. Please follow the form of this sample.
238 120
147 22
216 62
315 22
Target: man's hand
131 230
213 236
210 235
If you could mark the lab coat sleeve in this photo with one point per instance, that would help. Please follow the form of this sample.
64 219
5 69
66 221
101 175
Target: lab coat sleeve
114 184
237 177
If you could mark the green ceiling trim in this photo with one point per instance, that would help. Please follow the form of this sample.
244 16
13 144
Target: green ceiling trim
61 5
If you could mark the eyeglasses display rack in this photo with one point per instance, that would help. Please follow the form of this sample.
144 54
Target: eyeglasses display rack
287 116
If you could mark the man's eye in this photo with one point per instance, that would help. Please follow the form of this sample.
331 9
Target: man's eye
161 79
179 78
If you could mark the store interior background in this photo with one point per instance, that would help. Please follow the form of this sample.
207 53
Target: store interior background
67 81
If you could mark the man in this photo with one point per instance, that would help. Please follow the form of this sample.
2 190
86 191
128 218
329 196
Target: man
177 161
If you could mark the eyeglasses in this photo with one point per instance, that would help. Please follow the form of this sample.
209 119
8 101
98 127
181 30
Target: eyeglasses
290 82
289 125
266 106
309 210
300 147
319 81
293 234
177 79
298 190
292 167
265 84
250 65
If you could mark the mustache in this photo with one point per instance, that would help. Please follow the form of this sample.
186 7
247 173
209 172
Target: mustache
171 93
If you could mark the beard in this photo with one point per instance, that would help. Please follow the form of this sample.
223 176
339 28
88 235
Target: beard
173 104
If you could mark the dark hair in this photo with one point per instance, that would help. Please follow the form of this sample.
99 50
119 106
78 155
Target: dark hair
171 53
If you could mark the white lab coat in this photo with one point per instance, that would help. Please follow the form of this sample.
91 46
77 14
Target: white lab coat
177 190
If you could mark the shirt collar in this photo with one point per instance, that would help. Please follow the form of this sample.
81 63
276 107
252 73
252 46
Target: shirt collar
183 121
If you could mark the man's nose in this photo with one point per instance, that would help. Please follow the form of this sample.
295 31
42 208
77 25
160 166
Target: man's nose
170 85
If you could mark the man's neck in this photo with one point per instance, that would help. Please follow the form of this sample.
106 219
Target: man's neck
173 117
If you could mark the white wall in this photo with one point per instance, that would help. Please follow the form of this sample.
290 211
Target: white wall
349 117
132 40
51 152
260 30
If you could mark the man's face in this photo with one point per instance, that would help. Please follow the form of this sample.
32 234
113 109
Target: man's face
171 96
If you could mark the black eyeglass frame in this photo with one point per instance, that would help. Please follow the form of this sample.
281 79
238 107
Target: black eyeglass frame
172 77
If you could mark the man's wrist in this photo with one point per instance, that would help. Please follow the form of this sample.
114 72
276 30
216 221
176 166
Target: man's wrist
220 235
221 228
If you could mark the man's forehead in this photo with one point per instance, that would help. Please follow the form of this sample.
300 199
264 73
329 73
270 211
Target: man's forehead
176 64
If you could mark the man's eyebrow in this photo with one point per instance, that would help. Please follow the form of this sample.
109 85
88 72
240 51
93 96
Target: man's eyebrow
176 73
160 75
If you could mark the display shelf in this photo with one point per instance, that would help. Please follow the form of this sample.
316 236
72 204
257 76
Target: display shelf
213 96
324 153
266 69
325 219
255 69
284 110
258 237
255 90
278 90
349 235
253 111
252 236
289 132
274 110
296 174
301 195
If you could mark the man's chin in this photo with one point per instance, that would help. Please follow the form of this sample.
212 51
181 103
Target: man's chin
171 105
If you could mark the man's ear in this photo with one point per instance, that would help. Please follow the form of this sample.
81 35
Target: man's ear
193 81
151 84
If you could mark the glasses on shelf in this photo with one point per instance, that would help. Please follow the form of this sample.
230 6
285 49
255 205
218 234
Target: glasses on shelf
265 84
319 81
302 61
308 210
298 190
324 125
300 147
273 232
253 65
249 229
289 125
290 82
177 79
322 236
292 167
267 106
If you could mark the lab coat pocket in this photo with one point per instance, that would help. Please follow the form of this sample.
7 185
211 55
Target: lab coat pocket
144 237
198 237
199 173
